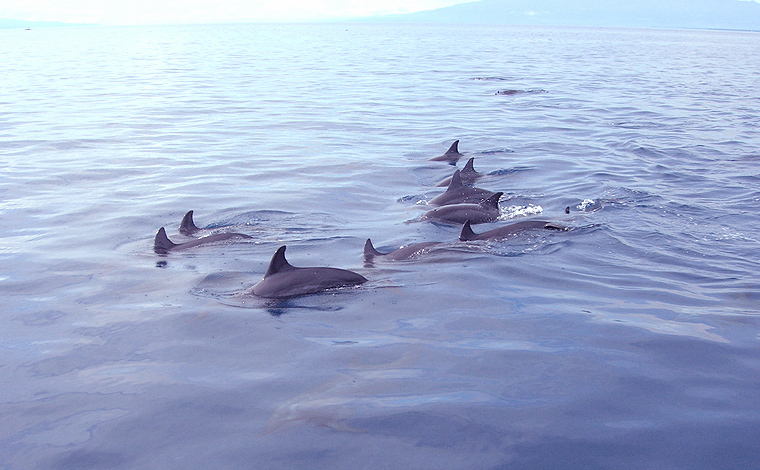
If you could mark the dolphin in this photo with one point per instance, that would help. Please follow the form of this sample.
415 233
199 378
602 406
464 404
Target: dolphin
163 245
187 226
404 253
458 193
486 211
451 156
507 230
468 174
284 280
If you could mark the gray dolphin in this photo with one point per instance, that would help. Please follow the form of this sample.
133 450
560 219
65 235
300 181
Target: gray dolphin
467 173
458 193
187 226
163 245
486 211
404 253
507 230
284 280
451 156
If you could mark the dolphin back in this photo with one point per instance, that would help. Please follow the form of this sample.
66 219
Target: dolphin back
162 244
451 155
467 233
187 226
283 280
454 148
469 167
278 263
456 181
493 201
370 251
468 174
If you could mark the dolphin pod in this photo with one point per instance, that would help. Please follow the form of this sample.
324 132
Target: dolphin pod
460 203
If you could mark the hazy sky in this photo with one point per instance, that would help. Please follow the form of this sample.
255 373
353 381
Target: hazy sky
205 11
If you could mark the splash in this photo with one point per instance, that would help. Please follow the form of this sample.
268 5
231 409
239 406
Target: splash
513 212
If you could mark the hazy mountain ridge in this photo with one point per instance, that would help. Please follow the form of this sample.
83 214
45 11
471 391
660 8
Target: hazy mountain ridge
699 14
703 14
6 23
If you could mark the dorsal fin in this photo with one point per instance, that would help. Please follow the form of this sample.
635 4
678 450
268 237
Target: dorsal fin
454 147
278 263
467 233
187 226
369 250
469 166
492 201
162 244
456 181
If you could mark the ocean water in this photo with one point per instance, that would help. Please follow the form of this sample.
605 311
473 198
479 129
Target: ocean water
631 341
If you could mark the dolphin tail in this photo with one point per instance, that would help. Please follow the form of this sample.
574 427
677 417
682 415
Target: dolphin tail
187 226
492 201
278 263
369 250
162 244
467 233
470 165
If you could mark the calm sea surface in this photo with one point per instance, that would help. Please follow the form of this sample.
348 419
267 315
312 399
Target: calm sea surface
629 342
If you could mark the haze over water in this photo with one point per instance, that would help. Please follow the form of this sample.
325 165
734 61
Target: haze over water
630 341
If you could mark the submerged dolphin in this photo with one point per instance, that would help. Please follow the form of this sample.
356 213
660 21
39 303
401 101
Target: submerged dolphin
188 227
284 280
404 253
468 174
486 211
163 245
507 230
458 193
451 156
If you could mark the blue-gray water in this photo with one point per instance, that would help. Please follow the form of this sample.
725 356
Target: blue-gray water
632 341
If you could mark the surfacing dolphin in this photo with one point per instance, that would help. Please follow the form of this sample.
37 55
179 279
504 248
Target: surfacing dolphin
507 230
485 211
467 173
187 226
283 280
451 156
458 193
163 245
404 253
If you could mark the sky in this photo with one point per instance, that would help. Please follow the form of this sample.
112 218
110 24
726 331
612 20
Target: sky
124 12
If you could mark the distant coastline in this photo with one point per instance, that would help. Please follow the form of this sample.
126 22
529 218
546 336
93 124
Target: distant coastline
739 15
670 14
6 23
